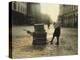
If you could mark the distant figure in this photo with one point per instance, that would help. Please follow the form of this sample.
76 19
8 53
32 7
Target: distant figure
56 32
48 24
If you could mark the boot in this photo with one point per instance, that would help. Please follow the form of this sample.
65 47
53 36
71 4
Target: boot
57 43
51 42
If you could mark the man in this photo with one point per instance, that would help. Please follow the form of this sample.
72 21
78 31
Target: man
56 33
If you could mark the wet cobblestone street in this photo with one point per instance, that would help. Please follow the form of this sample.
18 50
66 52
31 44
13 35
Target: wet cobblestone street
22 45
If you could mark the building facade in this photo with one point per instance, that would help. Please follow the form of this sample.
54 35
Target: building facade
33 12
19 7
68 15
25 12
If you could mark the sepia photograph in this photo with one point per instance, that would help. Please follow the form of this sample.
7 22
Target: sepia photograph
42 29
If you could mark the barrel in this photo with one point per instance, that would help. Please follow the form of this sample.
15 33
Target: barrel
39 35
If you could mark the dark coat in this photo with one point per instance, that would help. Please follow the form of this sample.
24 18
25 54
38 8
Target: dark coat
57 32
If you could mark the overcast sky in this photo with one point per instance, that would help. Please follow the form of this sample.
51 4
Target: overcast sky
51 9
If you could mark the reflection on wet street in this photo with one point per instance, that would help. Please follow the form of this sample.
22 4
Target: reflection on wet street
22 43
